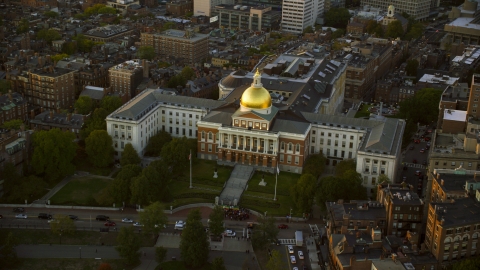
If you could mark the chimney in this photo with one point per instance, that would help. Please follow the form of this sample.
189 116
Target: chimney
32 114
51 114
10 95
442 182
40 61
69 117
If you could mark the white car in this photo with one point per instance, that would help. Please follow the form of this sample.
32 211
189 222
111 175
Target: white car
164 226
295 268
230 233
52 221
300 255
20 216
137 224
127 220
180 225
293 260
290 249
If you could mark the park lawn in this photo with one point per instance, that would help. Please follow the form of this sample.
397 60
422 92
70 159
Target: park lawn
82 163
182 194
278 208
80 192
54 264
203 170
285 181
364 112
45 236
179 265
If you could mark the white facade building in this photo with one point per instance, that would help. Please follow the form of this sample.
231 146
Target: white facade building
298 15
204 7
152 111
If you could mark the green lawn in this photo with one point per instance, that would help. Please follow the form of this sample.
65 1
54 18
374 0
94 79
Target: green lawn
202 173
82 163
182 194
364 112
45 236
55 264
278 208
285 181
80 192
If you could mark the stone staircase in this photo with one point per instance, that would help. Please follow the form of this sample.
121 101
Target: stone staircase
236 184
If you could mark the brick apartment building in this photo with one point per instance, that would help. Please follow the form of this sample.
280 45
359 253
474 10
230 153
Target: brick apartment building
14 148
108 33
125 77
179 7
12 106
49 119
39 3
188 46
360 75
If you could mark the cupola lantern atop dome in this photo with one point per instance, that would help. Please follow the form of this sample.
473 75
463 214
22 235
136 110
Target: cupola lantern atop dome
256 97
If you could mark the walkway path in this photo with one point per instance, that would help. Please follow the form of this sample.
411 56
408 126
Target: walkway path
236 184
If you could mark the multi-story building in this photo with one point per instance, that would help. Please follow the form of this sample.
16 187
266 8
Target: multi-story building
50 119
186 45
298 15
275 4
51 88
417 9
179 7
12 106
256 18
334 4
204 7
93 74
404 209
125 77
360 76
14 148
464 26
152 111
473 109
40 3
108 33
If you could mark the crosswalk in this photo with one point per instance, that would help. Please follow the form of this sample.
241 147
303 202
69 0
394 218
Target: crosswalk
287 241
413 165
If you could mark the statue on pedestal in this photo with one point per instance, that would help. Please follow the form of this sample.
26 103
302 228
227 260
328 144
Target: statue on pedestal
215 175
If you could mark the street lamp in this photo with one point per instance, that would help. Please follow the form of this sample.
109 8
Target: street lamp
290 216
266 213
80 248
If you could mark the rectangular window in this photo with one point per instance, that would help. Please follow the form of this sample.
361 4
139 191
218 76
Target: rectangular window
281 158
297 160
202 146
209 147
289 159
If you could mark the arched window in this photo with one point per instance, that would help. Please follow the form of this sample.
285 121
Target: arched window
203 135
297 148
466 237
447 240
210 135
290 146
282 146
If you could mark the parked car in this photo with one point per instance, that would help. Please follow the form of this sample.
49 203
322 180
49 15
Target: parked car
110 224
427 139
290 249
102 218
137 224
283 226
20 216
52 221
230 233
73 217
417 141
300 255
19 210
293 260
418 173
180 225
44 216
422 150
127 220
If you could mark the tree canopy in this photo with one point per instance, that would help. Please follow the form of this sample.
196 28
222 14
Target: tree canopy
84 44
338 33
337 17
308 29
422 107
63 225
215 225
8 252
14 124
153 218
416 31
315 165
5 86
120 190
49 35
152 184
160 254
23 26
95 122
84 105
347 187
394 29
194 245
303 192
156 143
412 67
99 148
110 103
344 166
50 14
58 57
53 153
107 10
265 232
176 152
93 9
275 261
374 27
188 73
146 52
128 244
218 264
129 156
26 188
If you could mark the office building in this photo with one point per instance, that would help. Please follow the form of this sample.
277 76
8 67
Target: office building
418 9
253 18
298 15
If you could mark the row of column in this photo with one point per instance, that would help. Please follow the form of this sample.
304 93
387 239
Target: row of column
235 141
247 158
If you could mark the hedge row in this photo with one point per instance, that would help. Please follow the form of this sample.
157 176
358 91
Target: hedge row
208 196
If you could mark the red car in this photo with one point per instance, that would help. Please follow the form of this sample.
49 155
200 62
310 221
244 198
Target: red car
110 224
427 139
283 226
416 141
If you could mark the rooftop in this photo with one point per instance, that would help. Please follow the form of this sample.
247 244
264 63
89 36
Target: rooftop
455 115
457 212
182 35
437 78
107 31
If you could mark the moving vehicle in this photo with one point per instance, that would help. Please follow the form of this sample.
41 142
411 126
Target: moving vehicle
44 216
422 150
283 226
137 224
293 260
290 249
20 216
19 210
299 238
102 218
73 217
52 221
300 255
230 233
110 224
127 220
180 225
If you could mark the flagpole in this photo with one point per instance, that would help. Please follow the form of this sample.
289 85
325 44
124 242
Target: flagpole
190 158
276 180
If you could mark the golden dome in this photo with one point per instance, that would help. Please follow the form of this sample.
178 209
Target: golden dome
256 97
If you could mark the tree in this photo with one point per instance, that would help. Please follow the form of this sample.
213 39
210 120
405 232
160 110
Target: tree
168 25
337 17
96 122
27 188
99 148
383 178
470 263
69 48
373 27
5 86
264 233
338 33
59 57
176 153
188 73
303 192
411 68
156 143
308 29
152 185
50 14
344 166
215 225
8 253
110 103
315 165
339 45
128 245
84 105
153 218
120 191
84 44
177 80
416 31
218 264
63 225
348 187
105 266
129 156
14 124
194 245
93 9
275 262
146 52
23 26
394 29
53 153
49 35
160 254
107 10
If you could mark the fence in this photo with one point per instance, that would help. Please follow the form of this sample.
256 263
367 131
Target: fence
34 205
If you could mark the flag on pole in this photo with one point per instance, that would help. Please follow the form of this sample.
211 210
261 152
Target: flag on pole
189 156
278 170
